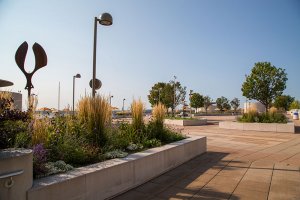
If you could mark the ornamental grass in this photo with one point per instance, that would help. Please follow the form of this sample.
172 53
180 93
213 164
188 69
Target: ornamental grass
137 110
95 113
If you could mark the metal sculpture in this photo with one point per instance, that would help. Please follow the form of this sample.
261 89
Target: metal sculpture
40 61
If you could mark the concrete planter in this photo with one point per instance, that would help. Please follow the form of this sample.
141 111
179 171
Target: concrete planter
112 177
15 173
187 122
268 127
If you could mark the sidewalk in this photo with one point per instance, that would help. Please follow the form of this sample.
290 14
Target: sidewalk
237 165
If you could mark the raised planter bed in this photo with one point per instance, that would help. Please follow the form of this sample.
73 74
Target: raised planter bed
112 177
186 122
268 127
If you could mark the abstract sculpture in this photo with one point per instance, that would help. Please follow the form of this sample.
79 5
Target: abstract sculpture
40 61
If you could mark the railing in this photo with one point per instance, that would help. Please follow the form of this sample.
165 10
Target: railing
10 182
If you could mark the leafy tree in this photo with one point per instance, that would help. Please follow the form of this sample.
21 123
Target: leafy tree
164 92
235 103
207 101
295 105
157 93
223 103
179 92
283 102
197 101
265 83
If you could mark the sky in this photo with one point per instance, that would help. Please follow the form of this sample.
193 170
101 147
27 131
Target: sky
210 45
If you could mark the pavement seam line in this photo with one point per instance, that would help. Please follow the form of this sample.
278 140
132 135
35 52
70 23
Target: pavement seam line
271 182
240 181
211 179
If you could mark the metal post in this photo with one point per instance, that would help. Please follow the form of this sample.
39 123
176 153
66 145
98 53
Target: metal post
123 106
94 57
174 95
58 103
191 93
73 94
110 99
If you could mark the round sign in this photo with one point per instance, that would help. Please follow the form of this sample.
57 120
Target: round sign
98 84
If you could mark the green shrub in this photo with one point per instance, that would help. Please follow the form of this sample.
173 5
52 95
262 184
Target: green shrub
57 167
270 117
9 130
23 140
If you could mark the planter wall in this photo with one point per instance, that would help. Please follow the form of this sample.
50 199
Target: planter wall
269 127
188 122
112 177
15 173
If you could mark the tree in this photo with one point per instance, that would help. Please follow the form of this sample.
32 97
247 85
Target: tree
265 83
197 101
283 102
295 105
157 93
179 92
235 103
207 101
164 92
223 103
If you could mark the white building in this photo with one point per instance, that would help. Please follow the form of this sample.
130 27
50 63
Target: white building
254 106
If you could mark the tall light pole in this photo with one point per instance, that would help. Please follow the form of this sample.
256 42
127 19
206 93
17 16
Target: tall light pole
111 96
123 105
76 76
106 20
191 94
174 94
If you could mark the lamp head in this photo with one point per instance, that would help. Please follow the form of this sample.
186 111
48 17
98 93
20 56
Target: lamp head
78 76
105 19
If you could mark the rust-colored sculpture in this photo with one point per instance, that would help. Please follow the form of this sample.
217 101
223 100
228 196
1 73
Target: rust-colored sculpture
40 61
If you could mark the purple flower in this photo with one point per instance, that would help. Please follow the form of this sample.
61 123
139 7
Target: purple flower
39 153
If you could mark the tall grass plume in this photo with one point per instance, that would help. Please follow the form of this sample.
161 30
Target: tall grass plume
96 114
159 113
137 110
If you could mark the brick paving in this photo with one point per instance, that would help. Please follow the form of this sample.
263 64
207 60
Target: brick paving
237 165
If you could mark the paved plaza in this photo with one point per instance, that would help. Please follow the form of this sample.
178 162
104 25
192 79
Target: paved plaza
237 165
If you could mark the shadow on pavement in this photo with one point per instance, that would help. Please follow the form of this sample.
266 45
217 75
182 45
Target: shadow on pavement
187 181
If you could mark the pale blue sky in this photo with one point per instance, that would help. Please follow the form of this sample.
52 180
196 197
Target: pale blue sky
208 44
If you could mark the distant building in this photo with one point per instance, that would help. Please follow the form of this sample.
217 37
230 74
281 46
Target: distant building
254 106
17 97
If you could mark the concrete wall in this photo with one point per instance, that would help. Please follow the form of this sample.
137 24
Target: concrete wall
11 162
269 127
196 122
112 177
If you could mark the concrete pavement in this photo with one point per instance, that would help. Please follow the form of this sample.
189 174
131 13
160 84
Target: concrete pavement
237 165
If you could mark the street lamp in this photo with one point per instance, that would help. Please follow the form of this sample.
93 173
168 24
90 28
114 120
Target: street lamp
110 99
191 94
106 20
76 76
174 94
123 105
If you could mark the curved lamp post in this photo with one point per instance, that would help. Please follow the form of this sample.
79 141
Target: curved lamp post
76 76
123 105
112 96
106 20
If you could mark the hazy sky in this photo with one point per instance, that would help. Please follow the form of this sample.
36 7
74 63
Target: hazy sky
208 44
